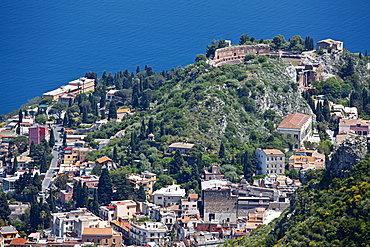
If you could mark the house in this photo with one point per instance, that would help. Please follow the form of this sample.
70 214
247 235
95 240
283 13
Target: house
38 133
101 236
358 126
145 179
110 95
73 222
8 233
190 202
219 205
213 173
182 147
144 233
78 86
329 43
298 126
351 112
17 242
74 154
168 196
116 209
123 112
270 161
105 161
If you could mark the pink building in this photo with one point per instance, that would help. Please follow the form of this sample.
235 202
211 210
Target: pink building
38 133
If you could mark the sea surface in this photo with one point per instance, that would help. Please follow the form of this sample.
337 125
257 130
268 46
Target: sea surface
46 44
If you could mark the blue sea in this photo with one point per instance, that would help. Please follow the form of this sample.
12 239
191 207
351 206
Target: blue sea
46 44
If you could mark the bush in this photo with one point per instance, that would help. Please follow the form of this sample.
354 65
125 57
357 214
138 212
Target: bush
249 57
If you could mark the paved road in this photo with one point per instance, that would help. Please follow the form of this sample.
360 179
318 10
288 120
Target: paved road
54 161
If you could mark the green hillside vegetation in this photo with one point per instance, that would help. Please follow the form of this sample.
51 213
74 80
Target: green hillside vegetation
326 211
238 105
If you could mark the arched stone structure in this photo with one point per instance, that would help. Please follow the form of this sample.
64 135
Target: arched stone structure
236 54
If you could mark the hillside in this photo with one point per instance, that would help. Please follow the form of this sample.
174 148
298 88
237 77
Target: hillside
332 209
207 104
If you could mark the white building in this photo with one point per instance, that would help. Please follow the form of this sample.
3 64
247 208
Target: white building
270 161
168 196
298 126
143 233
327 43
74 222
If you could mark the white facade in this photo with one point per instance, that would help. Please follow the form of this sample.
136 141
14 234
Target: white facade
270 161
143 233
168 196
298 126
74 222
126 208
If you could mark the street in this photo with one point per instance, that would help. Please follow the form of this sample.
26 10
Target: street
54 161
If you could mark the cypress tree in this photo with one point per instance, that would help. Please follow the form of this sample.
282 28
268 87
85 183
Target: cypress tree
115 154
15 165
20 120
52 138
94 203
150 126
105 190
64 138
141 196
52 203
35 216
4 207
84 195
112 110
77 193
222 153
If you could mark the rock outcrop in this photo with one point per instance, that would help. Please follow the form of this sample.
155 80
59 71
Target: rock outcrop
350 152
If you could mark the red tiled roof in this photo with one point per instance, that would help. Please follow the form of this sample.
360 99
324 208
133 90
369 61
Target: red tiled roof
103 159
18 241
294 121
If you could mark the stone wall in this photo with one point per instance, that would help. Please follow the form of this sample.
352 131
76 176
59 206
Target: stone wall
236 54
219 205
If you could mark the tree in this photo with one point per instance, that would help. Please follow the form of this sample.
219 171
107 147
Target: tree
176 163
52 138
308 43
58 109
21 142
15 165
20 120
41 119
35 216
243 39
140 194
105 190
296 44
4 207
222 152
94 203
200 57
278 42
112 110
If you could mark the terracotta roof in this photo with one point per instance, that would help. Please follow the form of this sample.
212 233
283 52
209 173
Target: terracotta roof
98 231
186 219
193 196
184 145
103 159
18 241
349 122
126 110
294 121
272 151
